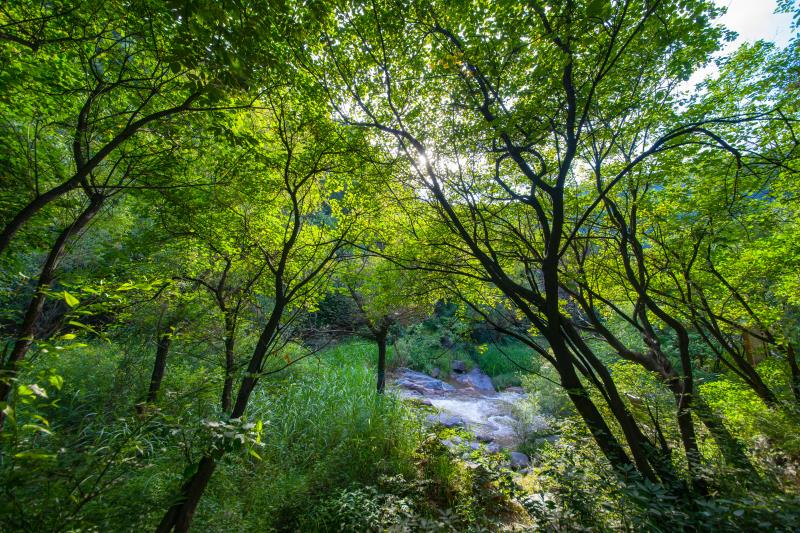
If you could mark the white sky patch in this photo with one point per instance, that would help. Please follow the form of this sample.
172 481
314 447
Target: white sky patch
753 20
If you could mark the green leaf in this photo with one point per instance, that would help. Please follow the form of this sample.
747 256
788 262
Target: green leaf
56 381
34 455
70 299
36 427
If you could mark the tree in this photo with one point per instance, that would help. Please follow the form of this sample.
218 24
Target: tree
117 77
385 297
286 209
509 102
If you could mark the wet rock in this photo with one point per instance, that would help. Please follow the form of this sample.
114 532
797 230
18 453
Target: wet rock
448 421
477 379
484 438
417 381
436 373
458 366
519 461
493 447
475 445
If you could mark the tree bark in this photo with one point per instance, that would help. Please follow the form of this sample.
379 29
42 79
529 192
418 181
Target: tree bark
577 393
381 340
159 366
645 455
27 328
179 517
230 361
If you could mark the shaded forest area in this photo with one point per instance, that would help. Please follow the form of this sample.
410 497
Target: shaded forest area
231 228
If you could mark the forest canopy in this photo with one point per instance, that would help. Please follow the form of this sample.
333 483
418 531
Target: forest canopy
231 230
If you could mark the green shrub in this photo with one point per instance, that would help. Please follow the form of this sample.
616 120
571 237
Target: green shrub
506 359
577 491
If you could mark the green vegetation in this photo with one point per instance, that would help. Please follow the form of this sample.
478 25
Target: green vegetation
225 228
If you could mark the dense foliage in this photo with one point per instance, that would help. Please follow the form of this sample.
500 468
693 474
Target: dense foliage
226 224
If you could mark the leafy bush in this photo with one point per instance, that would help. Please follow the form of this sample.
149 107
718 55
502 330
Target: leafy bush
507 358
575 490
357 510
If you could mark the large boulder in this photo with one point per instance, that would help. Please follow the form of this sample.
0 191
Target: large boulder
519 460
417 381
476 379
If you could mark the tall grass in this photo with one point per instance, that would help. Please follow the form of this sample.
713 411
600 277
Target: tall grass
506 363
325 429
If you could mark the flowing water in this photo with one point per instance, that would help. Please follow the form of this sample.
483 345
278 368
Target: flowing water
490 415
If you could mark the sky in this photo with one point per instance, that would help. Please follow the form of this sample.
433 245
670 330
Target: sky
756 19
752 20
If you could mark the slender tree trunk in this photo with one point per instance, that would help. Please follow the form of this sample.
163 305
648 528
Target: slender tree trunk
179 517
27 328
159 366
645 454
33 207
593 419
577 393
688 435
381 340
230 361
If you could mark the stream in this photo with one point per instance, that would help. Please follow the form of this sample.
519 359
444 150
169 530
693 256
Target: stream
490 415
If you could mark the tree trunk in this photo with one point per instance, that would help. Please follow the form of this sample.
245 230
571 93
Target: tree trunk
571 383
230 361
645 455
159 366
33 207
381 340
683 401
26 330
179 517
577 393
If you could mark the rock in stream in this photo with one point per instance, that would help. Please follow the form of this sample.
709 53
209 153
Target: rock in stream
472 403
